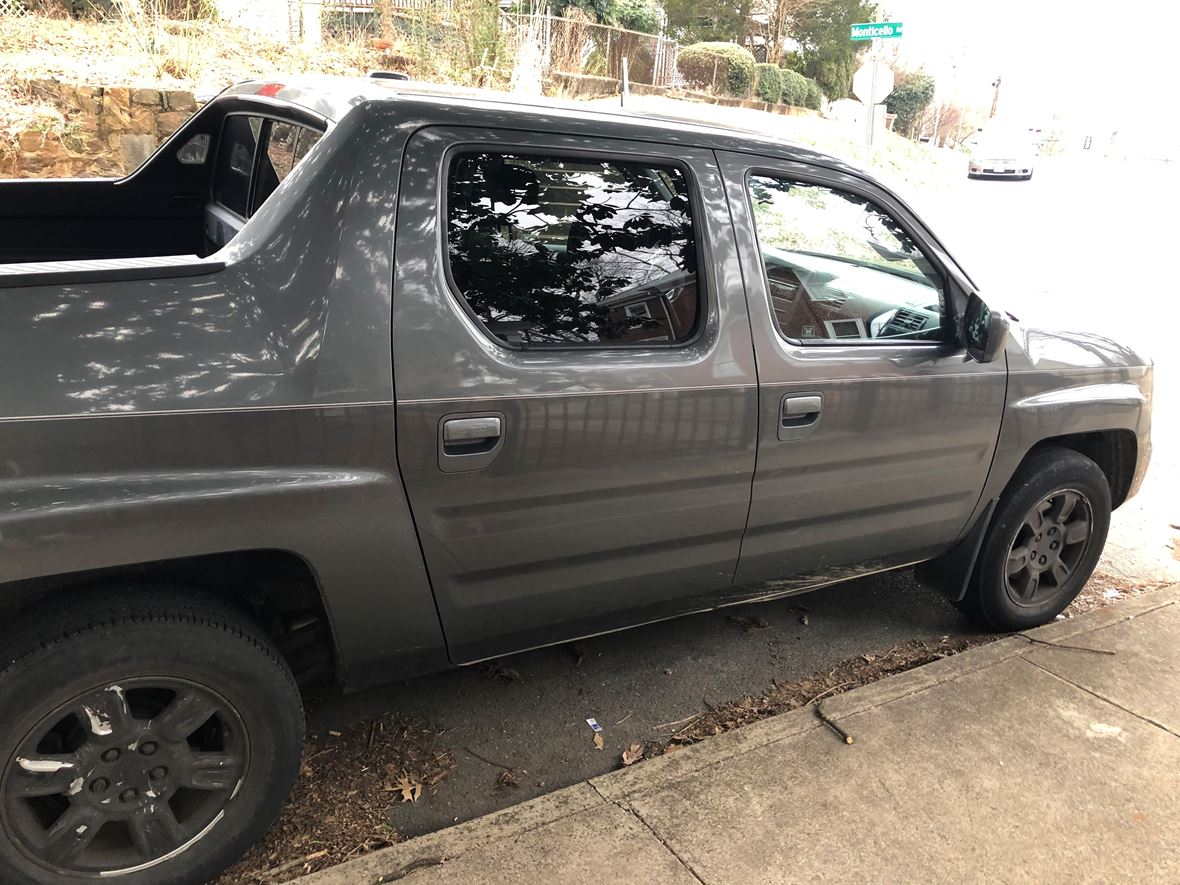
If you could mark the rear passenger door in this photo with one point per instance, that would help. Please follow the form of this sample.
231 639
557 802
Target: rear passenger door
877 431
576 396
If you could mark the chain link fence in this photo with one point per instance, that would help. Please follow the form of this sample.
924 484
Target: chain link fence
579 46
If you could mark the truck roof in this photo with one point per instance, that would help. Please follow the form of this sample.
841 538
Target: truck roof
334 96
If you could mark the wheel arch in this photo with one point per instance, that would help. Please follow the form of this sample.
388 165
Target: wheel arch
1116 453
278 589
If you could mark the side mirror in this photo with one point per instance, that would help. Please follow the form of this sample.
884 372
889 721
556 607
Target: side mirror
984 330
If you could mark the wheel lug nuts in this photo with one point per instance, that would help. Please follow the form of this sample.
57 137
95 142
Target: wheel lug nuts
148 748
159 772
128 795
1044 560
110 755
1053 545
99 785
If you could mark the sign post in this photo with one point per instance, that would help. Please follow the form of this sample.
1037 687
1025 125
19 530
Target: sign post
873 81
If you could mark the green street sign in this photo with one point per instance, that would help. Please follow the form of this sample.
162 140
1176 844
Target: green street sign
876 30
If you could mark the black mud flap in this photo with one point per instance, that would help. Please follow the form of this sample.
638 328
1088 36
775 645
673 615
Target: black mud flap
951 571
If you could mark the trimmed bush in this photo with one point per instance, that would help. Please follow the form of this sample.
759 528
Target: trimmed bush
768 83
814 98
794 89
723 66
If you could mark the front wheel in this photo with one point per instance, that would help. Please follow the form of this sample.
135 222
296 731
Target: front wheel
149 737
1043 543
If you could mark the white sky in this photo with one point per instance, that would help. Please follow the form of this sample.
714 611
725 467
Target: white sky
1097 66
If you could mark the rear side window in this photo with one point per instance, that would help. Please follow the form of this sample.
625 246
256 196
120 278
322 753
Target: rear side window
254 157
286 145
557 251
235 162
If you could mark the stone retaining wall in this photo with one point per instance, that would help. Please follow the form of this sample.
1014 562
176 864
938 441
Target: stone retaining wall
102 130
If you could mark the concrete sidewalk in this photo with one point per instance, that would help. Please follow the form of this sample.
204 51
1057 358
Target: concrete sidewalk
1014 762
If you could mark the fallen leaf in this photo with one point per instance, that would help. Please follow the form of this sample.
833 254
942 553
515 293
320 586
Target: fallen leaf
507 778
633 753
803 619
597 741
578 653
411 790
748 625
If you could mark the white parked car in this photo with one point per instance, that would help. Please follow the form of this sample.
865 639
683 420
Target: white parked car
1001 159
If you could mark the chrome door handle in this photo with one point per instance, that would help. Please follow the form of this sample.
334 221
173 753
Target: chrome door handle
464 432
802 406
798 415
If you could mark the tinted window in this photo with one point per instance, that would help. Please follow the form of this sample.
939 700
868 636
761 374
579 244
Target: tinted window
235 160
555 251
286 145
840 267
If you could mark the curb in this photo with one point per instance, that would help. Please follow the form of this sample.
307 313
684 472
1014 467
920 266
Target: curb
620 786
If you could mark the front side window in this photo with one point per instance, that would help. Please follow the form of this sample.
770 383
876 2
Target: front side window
554 251
839 267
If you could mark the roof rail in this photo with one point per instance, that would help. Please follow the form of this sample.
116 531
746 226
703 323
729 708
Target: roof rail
388 75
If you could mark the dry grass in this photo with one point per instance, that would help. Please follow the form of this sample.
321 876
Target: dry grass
203 56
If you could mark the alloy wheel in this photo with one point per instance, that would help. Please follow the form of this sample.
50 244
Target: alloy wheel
1048 546
124 776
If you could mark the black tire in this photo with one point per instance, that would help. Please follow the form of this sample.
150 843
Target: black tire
1000 599
97 667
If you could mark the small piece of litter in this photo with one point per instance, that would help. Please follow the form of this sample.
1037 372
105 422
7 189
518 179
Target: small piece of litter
593 723
334 734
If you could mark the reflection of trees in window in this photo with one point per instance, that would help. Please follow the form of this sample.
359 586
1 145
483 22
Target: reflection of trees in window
555 251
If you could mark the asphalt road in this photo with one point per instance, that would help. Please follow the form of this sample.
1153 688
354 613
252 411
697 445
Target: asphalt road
1076 245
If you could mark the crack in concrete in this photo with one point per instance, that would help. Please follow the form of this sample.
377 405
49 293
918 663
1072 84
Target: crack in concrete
639 817
1103 698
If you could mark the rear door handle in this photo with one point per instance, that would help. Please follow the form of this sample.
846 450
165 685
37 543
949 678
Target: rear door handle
469 442
798 415
462 433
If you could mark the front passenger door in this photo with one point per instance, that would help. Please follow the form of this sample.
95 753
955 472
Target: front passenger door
876 431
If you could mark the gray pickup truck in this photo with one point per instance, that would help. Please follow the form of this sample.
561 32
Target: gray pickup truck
357 379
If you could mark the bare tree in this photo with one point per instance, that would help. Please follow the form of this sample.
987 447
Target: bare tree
775 18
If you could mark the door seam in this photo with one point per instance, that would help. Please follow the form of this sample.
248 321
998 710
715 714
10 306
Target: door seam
757 370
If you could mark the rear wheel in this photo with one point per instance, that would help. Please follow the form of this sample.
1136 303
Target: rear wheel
150 737
1043 542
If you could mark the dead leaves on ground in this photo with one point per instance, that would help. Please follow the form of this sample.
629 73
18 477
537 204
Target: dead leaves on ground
749 625
410 789
634 753
782 697
348 779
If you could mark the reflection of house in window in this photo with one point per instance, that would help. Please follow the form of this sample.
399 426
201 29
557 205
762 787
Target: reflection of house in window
662 312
